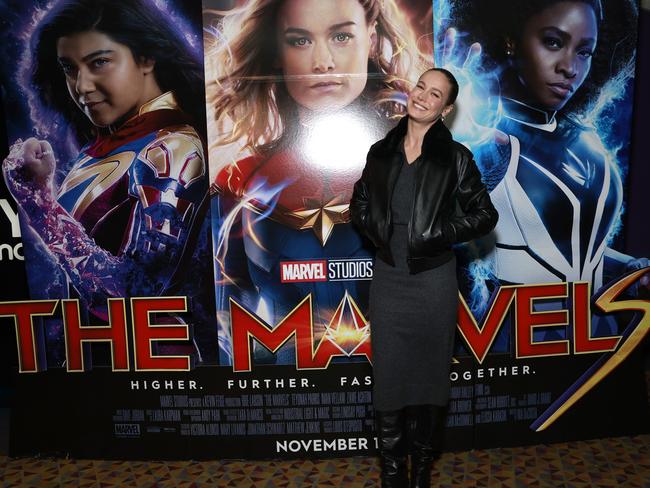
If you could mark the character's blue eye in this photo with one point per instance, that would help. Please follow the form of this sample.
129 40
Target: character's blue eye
298 41
342 36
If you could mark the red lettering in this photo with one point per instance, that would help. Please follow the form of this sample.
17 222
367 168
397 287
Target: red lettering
635 333
23 314
114 333
527 320
480 339
298 324
347 334
145 333
246 326
582 340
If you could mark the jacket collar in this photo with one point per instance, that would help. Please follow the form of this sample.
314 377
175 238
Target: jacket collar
437 143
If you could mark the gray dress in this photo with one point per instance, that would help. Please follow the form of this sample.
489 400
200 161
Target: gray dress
412 317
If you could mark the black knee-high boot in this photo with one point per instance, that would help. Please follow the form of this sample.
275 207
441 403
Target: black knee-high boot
426 425
391 432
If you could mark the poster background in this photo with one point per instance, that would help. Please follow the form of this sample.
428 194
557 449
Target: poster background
46 427
483 77
134 268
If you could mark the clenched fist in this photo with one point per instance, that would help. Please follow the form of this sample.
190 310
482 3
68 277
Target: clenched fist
30 164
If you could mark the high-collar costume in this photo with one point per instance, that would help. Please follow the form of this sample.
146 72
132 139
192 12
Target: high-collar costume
558 196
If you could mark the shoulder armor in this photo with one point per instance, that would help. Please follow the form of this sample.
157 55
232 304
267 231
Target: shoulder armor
177 153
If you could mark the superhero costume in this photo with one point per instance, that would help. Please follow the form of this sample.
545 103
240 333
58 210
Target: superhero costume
129 213
291 208
558 198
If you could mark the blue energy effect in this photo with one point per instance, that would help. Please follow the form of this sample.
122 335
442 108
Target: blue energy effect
479 111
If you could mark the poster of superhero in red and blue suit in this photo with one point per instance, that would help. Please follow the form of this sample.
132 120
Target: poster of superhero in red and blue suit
297 92
107 164
546 107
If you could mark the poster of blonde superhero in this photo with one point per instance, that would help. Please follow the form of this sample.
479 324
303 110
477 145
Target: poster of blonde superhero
297 93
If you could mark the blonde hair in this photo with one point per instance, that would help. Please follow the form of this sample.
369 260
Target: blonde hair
245 91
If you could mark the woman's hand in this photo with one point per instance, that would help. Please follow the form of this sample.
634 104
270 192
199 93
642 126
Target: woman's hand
30 165
451 58
474 118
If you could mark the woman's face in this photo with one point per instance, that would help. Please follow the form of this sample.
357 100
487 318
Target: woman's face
427 101
103 78
553 57
323 49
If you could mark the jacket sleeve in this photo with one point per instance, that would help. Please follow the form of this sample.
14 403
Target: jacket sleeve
359 203
478 216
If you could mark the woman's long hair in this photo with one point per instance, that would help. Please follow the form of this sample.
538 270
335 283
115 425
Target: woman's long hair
137 24
247 98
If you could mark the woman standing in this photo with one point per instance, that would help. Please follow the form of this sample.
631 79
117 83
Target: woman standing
405 203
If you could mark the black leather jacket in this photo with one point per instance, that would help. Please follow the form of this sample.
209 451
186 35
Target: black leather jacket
446 179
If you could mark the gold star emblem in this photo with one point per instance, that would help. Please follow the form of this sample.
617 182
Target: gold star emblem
348 330
322 218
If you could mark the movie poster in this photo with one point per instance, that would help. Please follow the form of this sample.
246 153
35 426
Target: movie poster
553 313
297 91
107 176
180 173
119 206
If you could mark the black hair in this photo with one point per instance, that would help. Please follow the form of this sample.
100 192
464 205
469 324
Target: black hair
137 24
493 22
453 84
517 17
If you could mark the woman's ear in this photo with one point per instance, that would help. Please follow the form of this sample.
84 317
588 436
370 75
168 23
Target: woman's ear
147 65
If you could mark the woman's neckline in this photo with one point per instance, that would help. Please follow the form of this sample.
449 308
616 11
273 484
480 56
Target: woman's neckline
403 150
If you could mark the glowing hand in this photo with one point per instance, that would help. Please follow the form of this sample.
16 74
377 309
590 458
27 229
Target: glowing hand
30 164
475 115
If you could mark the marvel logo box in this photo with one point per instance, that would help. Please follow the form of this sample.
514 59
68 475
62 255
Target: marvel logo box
326 270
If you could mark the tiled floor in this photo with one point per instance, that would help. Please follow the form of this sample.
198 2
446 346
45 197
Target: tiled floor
615 462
